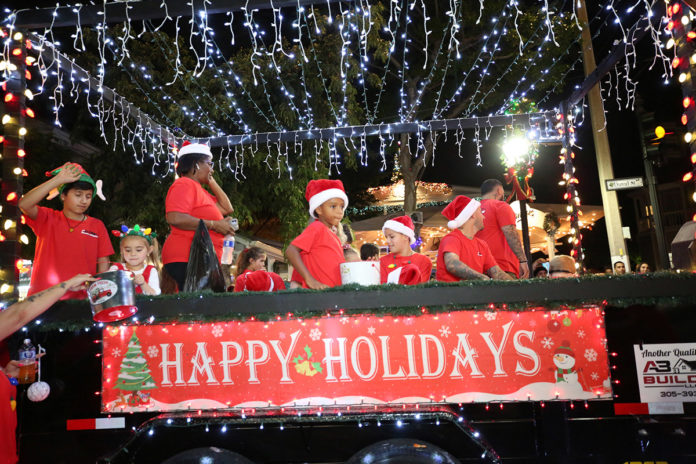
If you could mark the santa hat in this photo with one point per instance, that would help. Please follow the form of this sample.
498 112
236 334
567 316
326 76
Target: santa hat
84 177
322 190
564 348
402 225
408 274
188 148
460 210
263 281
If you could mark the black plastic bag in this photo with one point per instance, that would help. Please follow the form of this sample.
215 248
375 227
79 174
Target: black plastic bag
203 270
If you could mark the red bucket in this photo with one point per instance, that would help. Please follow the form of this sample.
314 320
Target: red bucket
112 297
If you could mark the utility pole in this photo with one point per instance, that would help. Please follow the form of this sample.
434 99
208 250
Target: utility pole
655 211
612 215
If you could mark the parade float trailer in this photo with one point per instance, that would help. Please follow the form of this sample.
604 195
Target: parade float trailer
573 370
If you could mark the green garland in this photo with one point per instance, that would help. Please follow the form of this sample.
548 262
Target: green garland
688 280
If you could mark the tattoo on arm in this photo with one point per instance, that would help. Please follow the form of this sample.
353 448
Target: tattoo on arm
514 241
496 273
459 269
37 295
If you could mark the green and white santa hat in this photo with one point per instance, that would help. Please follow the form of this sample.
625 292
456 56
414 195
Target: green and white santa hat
84 177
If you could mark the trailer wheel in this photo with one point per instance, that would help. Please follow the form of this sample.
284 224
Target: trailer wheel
209 455
402 451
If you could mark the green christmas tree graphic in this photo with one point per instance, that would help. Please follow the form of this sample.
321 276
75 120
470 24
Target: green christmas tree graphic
134 374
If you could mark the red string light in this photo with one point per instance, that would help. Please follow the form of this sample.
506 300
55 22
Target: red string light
688 176
684 119
12 196
686 102
693 158
675 8
21 153
17 51
9 97
30 113
675 62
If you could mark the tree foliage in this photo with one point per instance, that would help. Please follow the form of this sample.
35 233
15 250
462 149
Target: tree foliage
252 89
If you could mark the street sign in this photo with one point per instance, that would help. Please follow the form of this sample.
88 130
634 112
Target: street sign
625 183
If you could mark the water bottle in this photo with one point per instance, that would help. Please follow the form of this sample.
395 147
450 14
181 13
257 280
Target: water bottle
228 244
27 362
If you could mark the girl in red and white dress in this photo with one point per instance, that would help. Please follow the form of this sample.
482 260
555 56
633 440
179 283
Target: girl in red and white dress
400 235
249 260
139 245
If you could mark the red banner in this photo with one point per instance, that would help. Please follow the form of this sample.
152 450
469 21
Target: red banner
456 357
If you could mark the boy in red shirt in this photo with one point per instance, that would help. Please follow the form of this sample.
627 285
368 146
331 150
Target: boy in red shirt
461 255
317 253
68 242
400 234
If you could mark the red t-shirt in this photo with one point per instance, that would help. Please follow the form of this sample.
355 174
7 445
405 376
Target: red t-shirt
8 421
497 214
188 196
61 254
390 262
321 252
472 252
240 281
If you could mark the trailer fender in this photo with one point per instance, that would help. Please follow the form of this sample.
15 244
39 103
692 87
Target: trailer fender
209 454
402 451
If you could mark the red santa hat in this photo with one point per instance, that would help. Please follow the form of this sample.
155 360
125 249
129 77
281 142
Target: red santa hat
322 190
408 274
564 348
460 210
263 281
402 225
188 148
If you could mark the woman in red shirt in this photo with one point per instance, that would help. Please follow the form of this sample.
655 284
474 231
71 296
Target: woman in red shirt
187 203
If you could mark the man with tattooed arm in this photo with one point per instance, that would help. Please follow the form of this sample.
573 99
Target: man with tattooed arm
462 256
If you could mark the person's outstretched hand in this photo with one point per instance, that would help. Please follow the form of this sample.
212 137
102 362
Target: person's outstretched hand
79 282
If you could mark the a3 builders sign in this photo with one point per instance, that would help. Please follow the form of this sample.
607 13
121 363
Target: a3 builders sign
461 356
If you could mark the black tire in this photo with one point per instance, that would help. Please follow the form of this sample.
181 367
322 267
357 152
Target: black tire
210 454
402 451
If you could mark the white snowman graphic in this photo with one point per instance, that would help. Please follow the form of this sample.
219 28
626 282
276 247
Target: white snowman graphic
564 359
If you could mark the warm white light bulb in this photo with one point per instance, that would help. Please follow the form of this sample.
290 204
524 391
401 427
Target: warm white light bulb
670 43
688 136
17 171
18 36
682 77
24 239
6 118
22 131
